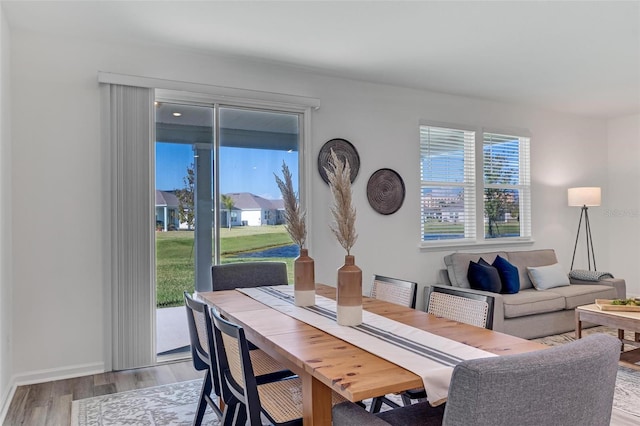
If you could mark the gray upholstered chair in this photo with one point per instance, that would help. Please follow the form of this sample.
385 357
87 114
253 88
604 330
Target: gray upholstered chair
567 385
248 274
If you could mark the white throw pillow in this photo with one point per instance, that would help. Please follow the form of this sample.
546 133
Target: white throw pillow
546 277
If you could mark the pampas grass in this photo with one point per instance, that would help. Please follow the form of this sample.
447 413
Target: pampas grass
293 214
344 214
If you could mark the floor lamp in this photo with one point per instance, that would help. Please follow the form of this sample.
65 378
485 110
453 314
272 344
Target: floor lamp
585 197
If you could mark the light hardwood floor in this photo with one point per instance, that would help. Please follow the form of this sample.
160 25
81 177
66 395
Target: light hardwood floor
50 403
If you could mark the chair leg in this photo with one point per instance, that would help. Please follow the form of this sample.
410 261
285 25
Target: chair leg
202 404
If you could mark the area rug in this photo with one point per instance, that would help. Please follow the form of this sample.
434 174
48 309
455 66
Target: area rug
171 405
175 404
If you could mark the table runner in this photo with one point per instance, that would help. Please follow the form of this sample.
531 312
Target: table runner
427 355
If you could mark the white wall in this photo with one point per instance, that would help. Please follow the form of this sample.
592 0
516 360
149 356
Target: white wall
622 205
58 196
6 311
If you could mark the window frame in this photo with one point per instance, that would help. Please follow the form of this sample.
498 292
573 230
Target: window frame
526 205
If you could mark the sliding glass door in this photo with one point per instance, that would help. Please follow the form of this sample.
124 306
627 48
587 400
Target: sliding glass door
216 199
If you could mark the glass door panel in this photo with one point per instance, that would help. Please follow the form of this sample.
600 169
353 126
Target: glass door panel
253 146
183 215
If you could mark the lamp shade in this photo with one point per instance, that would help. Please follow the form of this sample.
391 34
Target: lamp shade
589 196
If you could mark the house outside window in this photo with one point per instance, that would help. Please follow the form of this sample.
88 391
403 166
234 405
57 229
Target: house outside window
472 179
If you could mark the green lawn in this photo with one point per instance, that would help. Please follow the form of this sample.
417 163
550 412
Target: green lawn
175 258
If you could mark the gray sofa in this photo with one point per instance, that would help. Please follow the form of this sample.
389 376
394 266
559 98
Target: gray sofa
532 313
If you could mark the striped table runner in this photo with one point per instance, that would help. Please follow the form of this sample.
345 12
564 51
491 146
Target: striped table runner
430 356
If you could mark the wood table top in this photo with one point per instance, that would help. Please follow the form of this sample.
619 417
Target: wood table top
353 372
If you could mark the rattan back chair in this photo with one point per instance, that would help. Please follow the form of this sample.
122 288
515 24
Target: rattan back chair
199 334
394 290
204 357
461 306
248 274
247 397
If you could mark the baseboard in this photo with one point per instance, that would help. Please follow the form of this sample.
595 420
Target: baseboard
6 401
48 375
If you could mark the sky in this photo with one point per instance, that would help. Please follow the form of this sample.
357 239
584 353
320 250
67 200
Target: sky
242 169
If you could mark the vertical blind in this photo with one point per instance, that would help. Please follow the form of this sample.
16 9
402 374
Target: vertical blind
129 127
447 165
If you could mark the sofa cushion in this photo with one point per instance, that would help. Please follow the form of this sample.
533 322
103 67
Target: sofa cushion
522 259
546 277
531 302
509 277
483 276
458 265
583 294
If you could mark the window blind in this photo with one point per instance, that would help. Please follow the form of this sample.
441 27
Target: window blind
447 164
507 186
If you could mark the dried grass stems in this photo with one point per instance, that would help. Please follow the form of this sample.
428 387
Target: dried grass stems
293 214
344 214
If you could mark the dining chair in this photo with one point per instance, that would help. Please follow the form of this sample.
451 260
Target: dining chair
204 358
456 305
247 397
570 385
461 306
394 290
248 274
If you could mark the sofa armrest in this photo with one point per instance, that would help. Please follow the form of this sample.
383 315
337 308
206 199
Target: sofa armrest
498 303
618 283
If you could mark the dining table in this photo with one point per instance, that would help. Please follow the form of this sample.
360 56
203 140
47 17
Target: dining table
327 364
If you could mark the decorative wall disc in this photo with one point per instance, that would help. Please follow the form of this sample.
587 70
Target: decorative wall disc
345 151
385 191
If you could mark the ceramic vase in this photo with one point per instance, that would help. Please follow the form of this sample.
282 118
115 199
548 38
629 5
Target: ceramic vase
304 280
349 293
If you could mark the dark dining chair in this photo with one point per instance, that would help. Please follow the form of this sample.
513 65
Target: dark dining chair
203 358
569 385
462 306
396 291
247 398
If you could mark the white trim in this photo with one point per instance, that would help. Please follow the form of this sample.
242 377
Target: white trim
52 374
6 401
455 245
222 94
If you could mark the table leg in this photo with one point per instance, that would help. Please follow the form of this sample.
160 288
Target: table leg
578 325
621 337
316 401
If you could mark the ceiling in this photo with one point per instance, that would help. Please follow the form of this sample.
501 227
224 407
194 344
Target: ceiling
581 57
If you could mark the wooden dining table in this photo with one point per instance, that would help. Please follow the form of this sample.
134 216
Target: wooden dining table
326 363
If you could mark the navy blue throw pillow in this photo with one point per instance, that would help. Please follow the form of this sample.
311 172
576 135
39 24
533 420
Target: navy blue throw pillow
483 276
508 275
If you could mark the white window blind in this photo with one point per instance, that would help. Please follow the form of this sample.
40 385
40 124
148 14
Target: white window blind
507 192
447 164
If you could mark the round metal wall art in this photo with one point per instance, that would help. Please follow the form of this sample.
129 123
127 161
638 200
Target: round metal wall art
345 151
385 191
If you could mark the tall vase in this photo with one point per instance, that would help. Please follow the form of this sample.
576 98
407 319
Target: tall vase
304 283
349 293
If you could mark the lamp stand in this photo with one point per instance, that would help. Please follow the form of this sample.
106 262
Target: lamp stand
590 252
